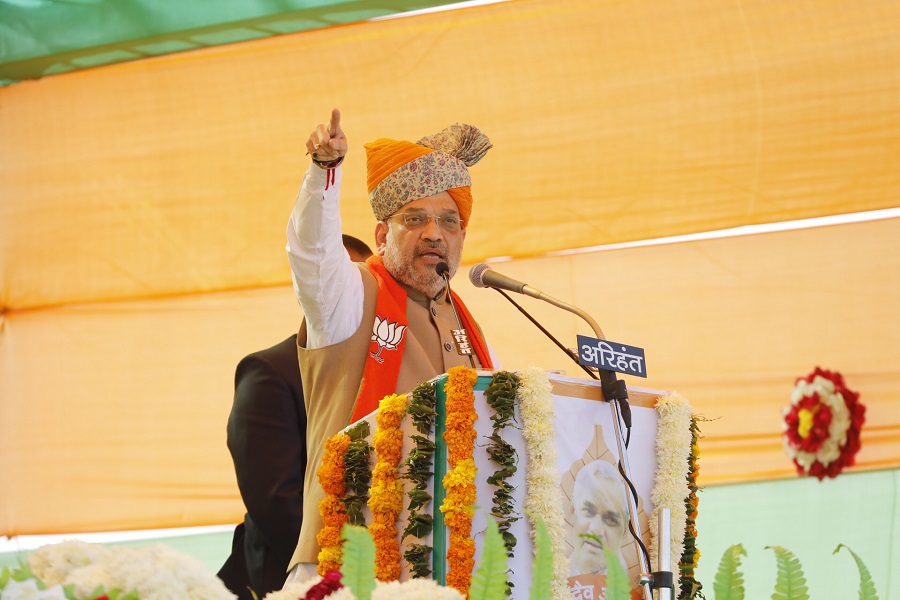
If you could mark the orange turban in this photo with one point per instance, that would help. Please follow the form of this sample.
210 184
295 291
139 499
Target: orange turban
400 171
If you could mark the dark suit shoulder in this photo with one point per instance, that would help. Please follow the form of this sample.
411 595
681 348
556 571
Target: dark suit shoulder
281 358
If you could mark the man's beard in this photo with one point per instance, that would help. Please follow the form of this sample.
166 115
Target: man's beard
399 263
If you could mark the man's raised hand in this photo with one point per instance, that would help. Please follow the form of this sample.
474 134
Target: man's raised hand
327 142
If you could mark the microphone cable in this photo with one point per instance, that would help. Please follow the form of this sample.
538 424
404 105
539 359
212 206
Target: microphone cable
547 333
631 522
443 271
624 406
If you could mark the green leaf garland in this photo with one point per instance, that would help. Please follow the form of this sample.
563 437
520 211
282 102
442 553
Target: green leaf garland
500 395
689 587
418 468
357 474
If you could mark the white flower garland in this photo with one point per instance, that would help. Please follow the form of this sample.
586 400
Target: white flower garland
155 572
670 489
542 497
28 590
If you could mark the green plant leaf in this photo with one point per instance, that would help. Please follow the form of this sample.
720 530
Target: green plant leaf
866 585
489 581
360 431
542 570
617 586
418 556
358 567
729 583
418 526
791 584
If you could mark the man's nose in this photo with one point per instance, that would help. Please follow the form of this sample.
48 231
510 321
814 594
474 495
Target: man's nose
432 231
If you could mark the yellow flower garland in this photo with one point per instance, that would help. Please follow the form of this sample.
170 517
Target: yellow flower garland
459 482
334 515
386 494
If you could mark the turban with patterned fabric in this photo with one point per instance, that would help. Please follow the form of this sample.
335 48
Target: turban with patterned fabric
400 171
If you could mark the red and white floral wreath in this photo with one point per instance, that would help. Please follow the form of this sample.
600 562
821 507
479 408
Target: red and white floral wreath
822 424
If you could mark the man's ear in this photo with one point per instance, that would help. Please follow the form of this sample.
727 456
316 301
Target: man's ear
381 233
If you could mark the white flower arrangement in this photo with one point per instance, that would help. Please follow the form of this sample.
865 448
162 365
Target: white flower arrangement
151 573
542 497
670 489
28 590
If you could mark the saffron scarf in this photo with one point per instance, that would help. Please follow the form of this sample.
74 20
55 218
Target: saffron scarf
389 333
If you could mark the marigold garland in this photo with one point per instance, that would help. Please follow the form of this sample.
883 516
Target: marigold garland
386 493
459 482
690 558
822 424
331 507
670 488
542 498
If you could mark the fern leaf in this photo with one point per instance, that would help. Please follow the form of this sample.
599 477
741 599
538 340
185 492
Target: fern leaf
542 570
358 557
617 586
489 581
866 585
729 583
791 584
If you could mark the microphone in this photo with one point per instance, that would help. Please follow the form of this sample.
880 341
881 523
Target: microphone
482 275
461 337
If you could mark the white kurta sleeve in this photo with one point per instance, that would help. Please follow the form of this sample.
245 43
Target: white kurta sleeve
327 283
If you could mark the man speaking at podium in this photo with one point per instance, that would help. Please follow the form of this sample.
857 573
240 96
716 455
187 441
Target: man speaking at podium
386 325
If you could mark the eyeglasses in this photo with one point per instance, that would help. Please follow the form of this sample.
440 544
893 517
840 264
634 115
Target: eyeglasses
416 220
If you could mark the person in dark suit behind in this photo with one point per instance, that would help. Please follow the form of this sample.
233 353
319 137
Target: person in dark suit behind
267 441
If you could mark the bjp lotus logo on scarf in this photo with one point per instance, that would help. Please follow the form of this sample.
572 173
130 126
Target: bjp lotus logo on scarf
388 335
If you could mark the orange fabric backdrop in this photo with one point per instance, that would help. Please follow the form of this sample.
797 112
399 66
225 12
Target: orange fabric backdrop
142 210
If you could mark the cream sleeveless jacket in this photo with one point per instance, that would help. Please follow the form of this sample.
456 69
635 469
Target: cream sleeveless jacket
332 375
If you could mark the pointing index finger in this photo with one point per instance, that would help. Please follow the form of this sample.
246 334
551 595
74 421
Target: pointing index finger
335 125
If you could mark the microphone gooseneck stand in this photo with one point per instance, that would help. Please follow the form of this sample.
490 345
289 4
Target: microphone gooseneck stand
547 333
626 408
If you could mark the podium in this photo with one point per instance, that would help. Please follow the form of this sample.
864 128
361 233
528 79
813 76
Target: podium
589 493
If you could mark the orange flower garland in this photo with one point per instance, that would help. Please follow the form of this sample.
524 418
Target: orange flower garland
334 515
386 494
459 482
